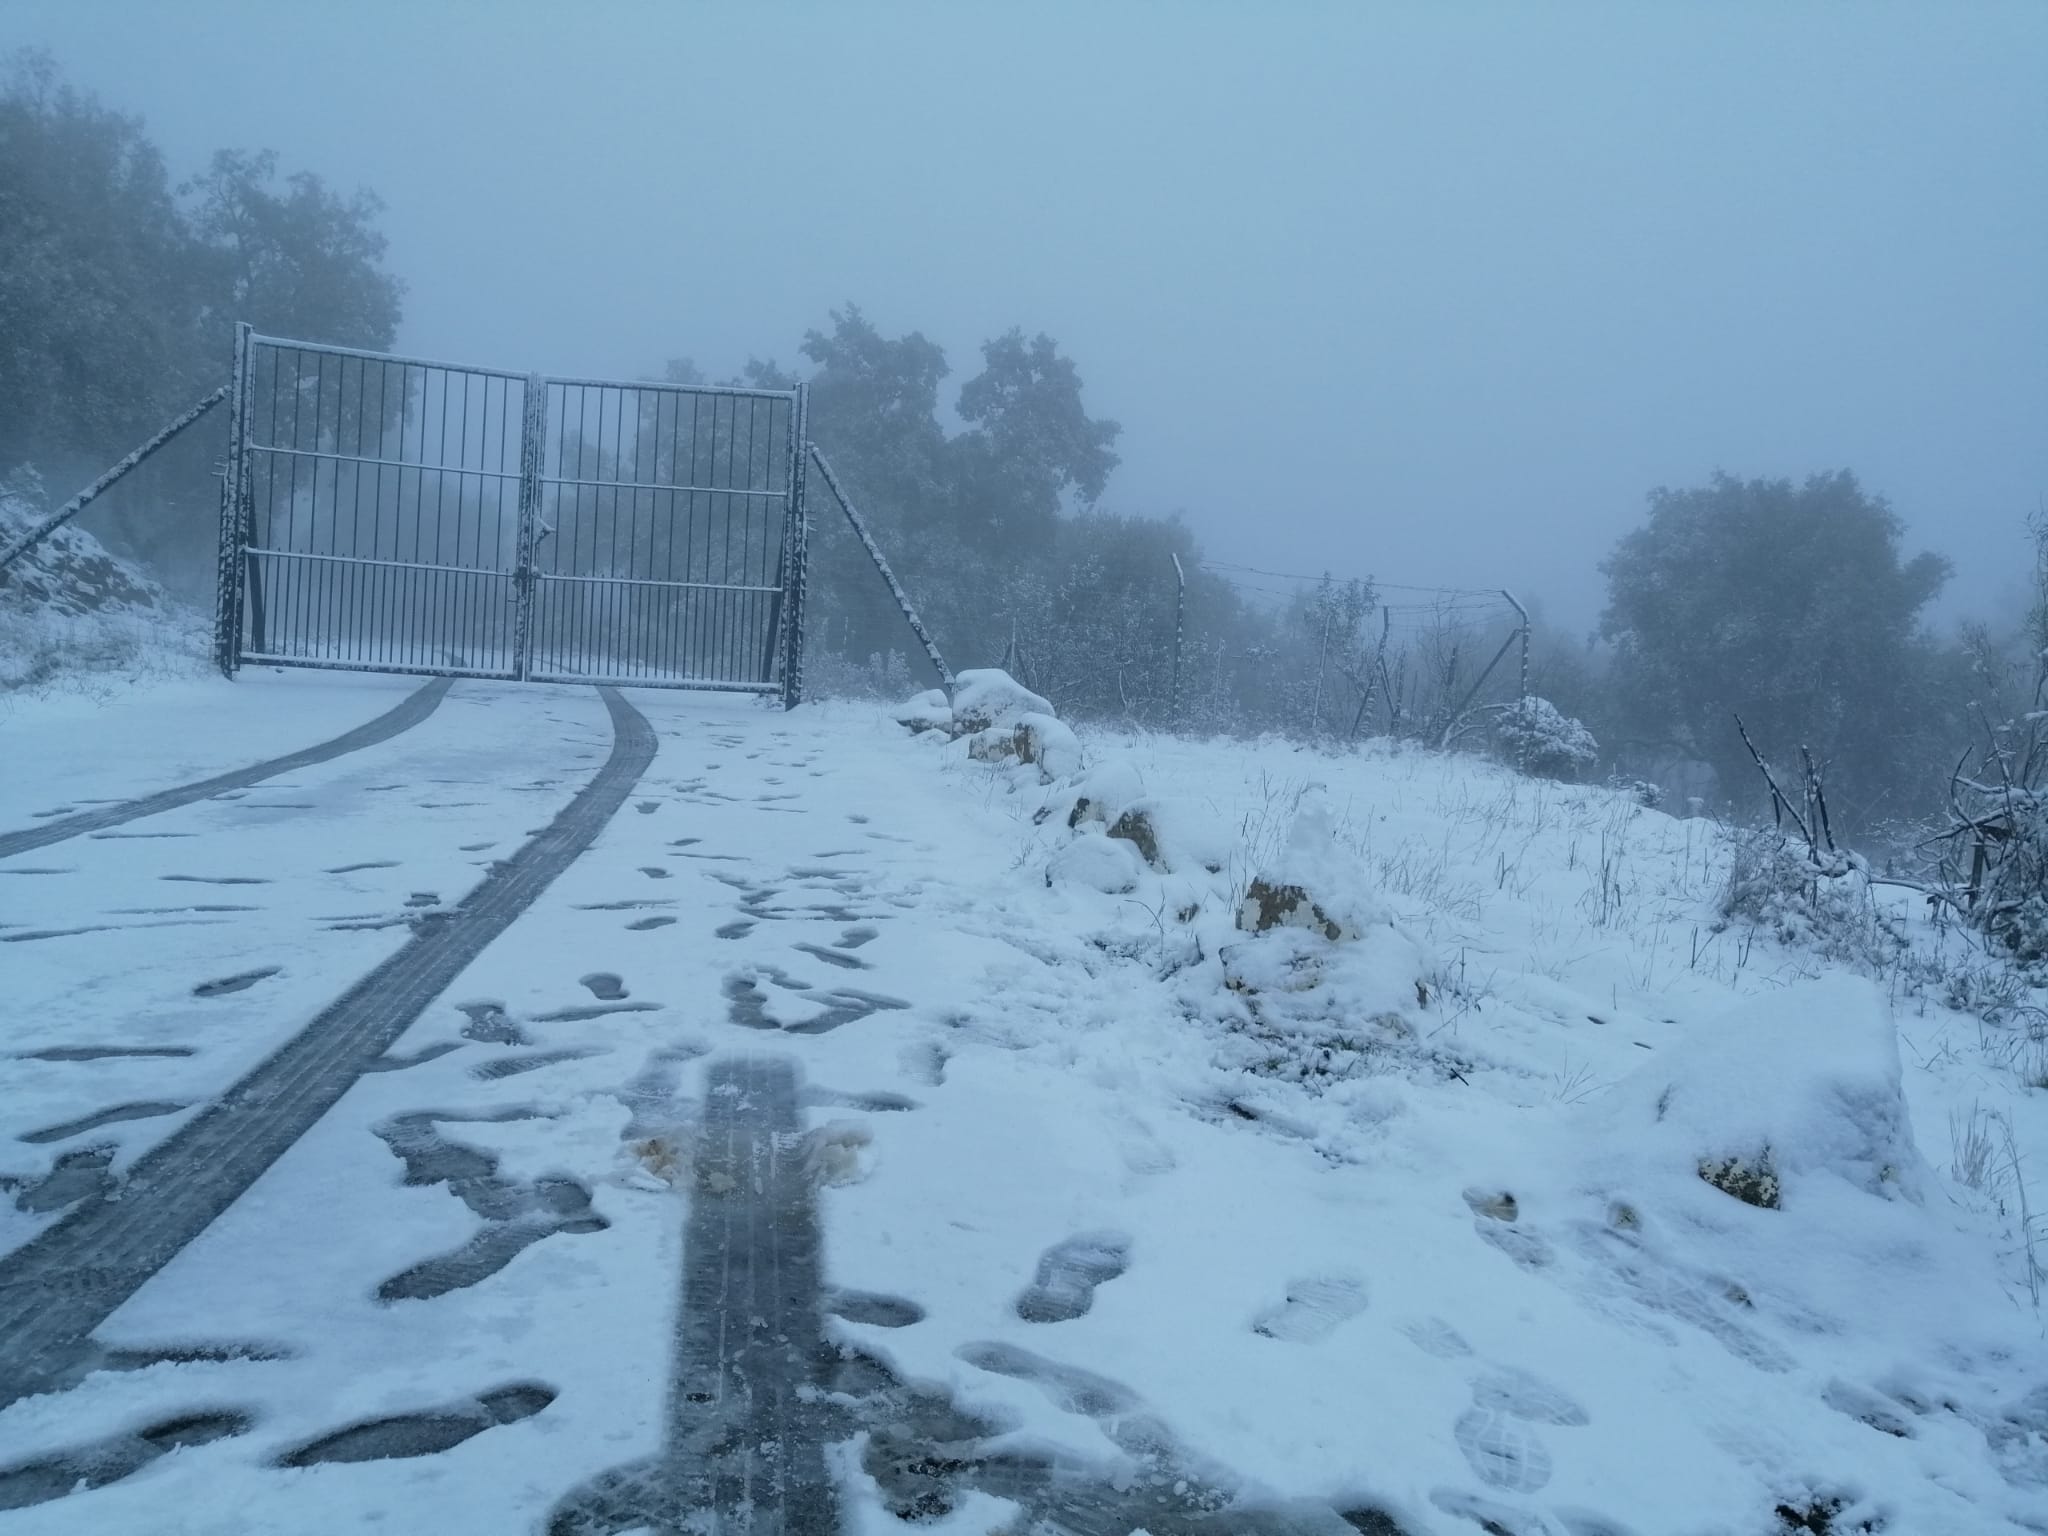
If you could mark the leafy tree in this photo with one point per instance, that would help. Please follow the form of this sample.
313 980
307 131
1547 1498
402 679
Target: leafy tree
101 282
296 259
1032 441
116 299
1791 605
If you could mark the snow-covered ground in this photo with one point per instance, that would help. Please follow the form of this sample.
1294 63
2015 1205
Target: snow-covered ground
1409 1225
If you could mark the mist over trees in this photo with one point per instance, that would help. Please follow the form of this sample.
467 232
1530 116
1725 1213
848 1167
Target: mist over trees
1794 604
1795 607
999 532
120 287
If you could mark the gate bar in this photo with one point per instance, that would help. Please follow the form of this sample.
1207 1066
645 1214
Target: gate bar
77 504
867 539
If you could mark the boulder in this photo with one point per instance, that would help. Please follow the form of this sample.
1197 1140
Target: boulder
929 711
1173 836
986 697
1049 743
1313 883
1268 905
1792 1092
1104 791
1099 863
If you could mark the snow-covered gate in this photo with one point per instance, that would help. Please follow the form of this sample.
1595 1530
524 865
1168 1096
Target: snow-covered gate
392 514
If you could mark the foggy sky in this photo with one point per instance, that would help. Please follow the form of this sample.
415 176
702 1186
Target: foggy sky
1433 292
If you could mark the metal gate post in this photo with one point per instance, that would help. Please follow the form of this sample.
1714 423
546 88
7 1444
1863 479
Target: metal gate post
796 558
533 432
1180 616
227 617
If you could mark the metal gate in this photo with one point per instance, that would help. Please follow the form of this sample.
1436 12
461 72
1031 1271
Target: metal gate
386 513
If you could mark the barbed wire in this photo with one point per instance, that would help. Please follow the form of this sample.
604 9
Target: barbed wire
1445 611
1224 566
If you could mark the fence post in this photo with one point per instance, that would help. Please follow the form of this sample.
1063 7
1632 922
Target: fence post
1315 713
1374 671
1180 609
533 436
796 570
227 616
1521 698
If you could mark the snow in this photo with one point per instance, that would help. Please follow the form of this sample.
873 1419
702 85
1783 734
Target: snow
77 619
987 696
1412 1219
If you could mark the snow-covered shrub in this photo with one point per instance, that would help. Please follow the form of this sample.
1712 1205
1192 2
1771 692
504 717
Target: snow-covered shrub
1649 796
1773 885
1544 741
71 612
2011 885
829 674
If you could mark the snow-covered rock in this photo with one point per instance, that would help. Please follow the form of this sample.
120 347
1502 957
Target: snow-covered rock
1173 836
1100 863
1101 794
1315 883
985 697
1051 744
1002 720
1790 1091
929 711
1035 741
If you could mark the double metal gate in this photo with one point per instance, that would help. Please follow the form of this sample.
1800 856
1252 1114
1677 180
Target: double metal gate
390 514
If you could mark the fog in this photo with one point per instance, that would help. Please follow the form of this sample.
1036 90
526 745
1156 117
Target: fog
1433 293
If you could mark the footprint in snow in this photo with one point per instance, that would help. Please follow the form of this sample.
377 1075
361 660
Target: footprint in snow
1435 1337
1313 1309
1497 1433
1068 1274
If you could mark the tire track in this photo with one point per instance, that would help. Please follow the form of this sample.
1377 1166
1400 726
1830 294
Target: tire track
416 706
56 1289
747 1423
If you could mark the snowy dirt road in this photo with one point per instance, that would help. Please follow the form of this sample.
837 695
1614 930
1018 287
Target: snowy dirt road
228 1162
585 1114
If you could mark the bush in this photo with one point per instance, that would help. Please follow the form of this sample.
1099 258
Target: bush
1773 885
1545 742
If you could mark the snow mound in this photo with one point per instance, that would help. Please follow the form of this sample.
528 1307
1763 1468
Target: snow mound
986 697
1035 741
929 711
1314 882
1106 864
1314 1010
1174 836
1100 795
1789 1089
1003 721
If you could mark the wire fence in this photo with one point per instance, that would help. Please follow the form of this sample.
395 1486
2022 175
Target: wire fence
1357 656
